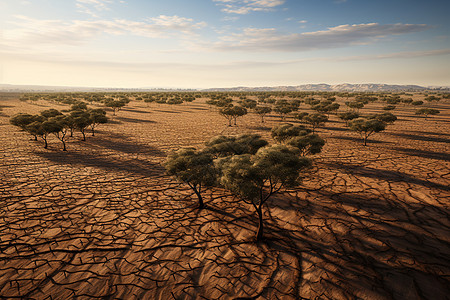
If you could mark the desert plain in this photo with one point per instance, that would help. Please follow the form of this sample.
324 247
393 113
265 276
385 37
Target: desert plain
104 221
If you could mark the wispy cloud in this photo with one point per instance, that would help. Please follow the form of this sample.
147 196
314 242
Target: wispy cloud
243 7
270 39
31 31
91 7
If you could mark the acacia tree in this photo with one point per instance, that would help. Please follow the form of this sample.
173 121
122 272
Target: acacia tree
366 127
59 126
80 120
315 120
255 178
96 117
427 111
23 120
232 113
348 116
194 168
298 137
221 145
262 111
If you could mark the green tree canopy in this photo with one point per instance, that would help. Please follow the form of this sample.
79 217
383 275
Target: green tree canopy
192 167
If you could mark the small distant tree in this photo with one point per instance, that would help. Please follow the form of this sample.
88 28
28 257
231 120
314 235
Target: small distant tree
59 126
283 110
315 120
80 120
366 127
389 107
417 103
116 105
307 144
49 113
96 117
221 146
22 120
194 168
256 178
248 103
283 132
355 105
231 113
386 117
427 112
347 116
35 128
262 111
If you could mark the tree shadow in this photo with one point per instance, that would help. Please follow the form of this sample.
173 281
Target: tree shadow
133 120
445 156
124 144
360 140
385 175
421 138
90 159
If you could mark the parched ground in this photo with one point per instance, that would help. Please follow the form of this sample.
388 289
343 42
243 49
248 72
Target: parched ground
103 221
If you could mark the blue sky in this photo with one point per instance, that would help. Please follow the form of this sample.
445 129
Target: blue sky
223 43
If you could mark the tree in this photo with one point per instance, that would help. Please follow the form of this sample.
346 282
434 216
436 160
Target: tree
59 126
417 102
347 116
194 168
282 110
262 111
49 113
116 105
389 107
427 111
23 120
366 127
255 178
248 103
307 144
283 132
232 113
96 117
221 146
355 105
81 120
315 120
386 117
35 128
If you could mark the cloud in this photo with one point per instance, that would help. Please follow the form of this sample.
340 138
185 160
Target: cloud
243 7
31 31
91 7
269 39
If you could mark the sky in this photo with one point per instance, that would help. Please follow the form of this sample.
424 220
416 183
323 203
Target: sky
223 43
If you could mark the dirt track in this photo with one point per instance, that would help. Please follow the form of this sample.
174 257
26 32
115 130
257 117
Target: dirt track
103 221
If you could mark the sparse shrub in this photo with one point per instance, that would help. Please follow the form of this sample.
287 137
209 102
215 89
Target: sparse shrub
427 112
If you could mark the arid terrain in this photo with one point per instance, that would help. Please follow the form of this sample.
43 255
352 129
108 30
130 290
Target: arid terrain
103 220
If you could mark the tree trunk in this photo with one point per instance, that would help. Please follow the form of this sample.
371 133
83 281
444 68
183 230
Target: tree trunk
84 135
93 130
45 142
201 204
259 234
365 140
71 132
64 145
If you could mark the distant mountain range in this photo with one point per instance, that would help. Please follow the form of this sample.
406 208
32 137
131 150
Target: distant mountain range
345 87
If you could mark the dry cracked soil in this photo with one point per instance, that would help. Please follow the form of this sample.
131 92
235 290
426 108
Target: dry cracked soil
103 221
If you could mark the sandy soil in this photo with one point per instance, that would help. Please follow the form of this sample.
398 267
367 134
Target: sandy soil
103 221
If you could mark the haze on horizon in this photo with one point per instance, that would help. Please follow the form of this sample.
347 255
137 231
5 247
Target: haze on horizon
223 43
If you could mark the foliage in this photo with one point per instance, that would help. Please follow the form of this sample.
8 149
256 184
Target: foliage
221 146
366 127
194 168
263 111
427 111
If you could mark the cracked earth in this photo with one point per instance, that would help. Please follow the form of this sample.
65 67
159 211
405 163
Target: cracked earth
103 221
